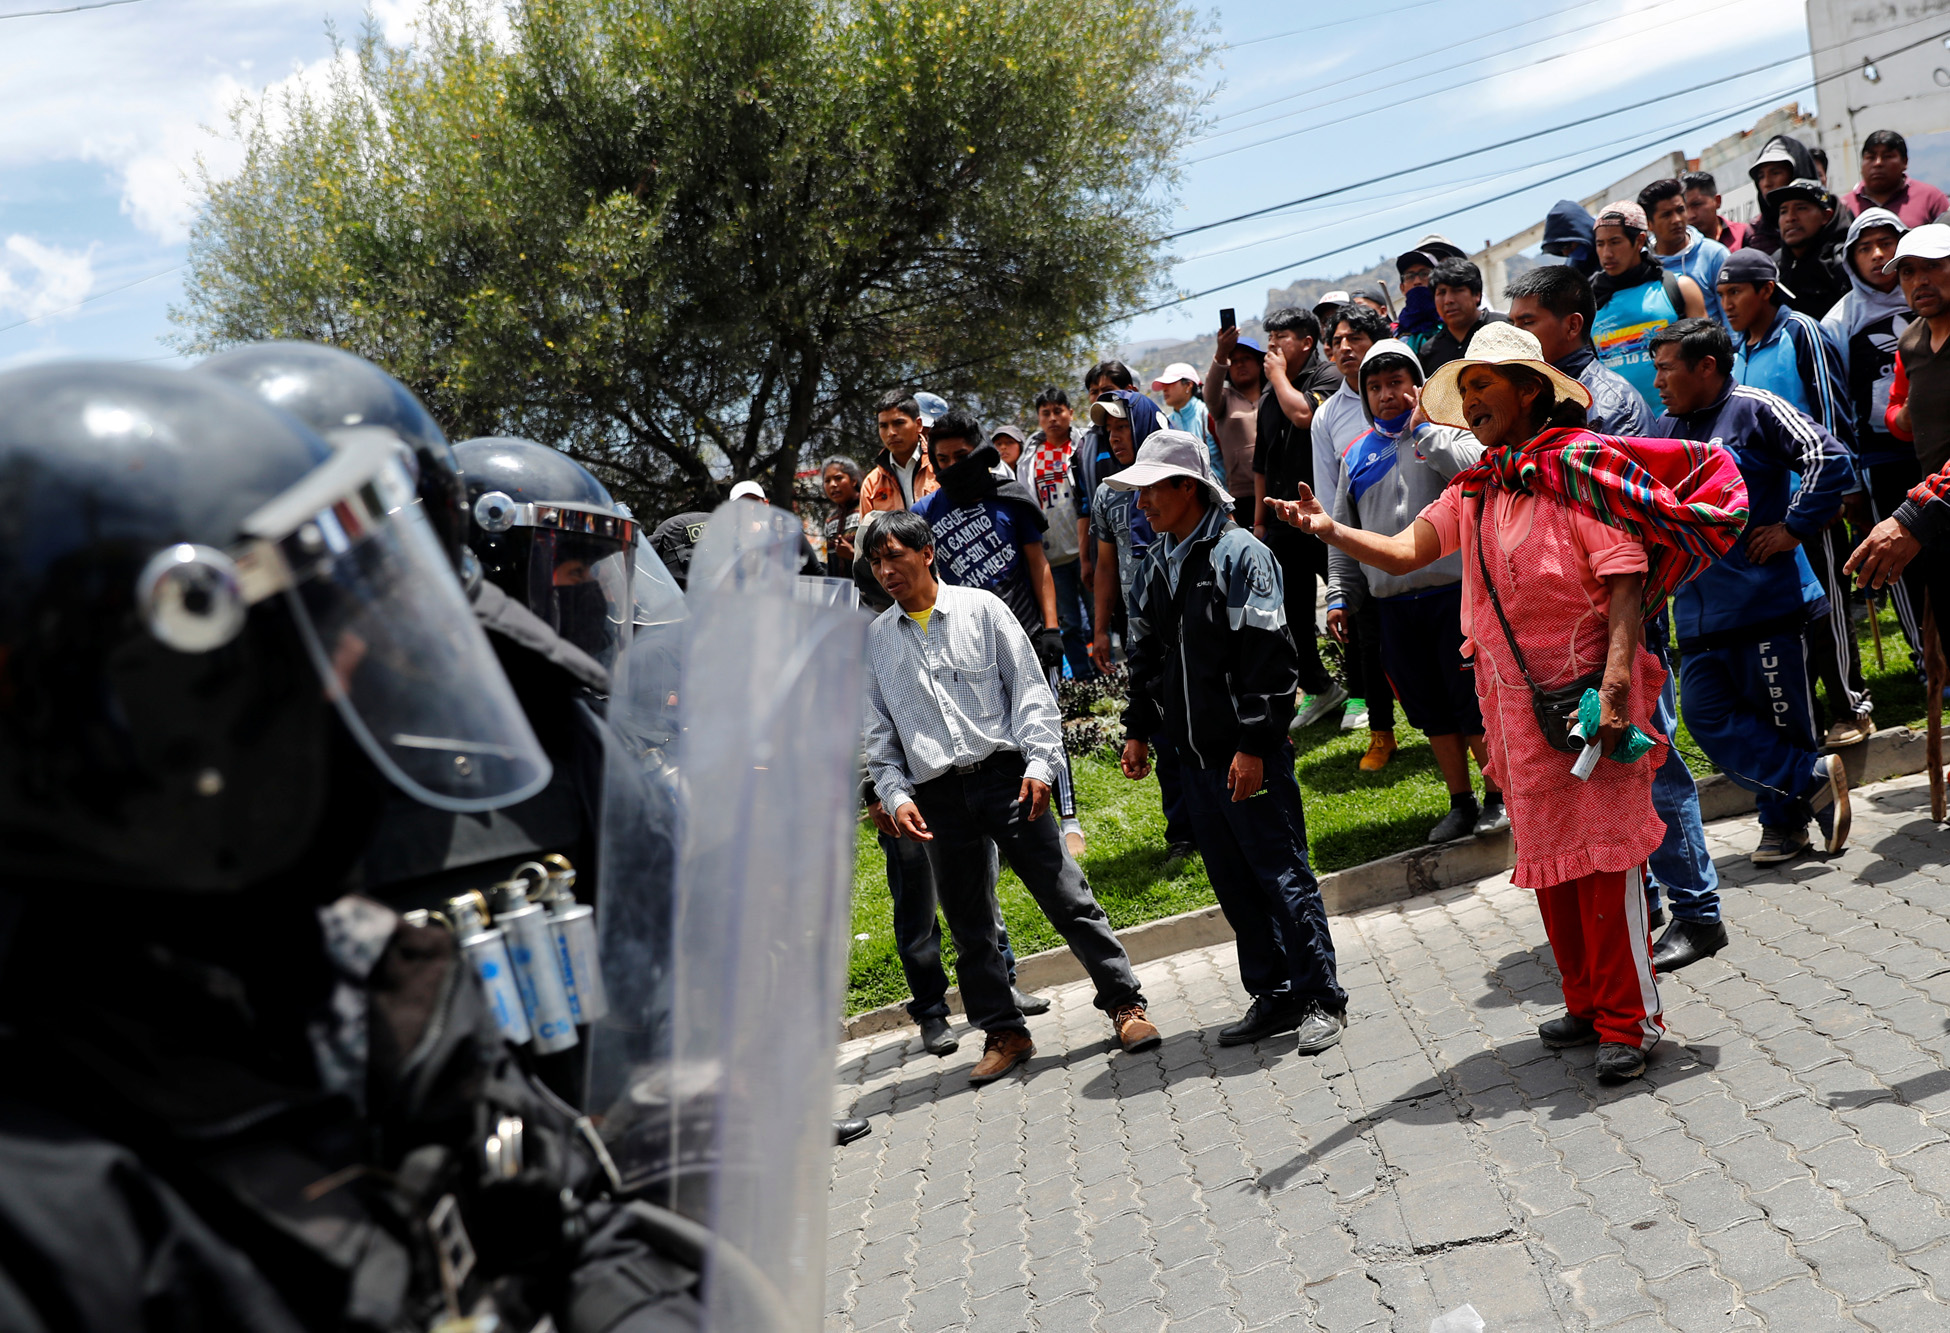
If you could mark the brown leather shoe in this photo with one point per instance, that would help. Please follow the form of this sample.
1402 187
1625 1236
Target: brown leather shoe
1004 1049
1134 1031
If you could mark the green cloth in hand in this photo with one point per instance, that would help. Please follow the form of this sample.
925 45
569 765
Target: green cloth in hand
1633 746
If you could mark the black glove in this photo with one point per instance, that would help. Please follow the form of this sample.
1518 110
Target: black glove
1049 648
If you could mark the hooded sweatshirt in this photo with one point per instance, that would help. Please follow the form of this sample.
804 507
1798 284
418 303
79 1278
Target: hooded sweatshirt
1862 329
1388 476
1701 261
1818 276
1092 460
1766 234
1568 224
1114 515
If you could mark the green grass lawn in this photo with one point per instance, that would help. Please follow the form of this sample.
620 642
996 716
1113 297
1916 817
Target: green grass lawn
1351 817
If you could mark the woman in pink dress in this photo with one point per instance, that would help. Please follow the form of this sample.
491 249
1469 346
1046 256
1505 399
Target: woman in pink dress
1569 539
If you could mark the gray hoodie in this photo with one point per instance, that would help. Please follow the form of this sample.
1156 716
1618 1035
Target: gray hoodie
1397 478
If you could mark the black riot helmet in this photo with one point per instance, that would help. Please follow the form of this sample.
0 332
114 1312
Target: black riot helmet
192 585
547 533
337 394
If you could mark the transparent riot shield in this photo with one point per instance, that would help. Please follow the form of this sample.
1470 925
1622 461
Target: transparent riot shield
731 1123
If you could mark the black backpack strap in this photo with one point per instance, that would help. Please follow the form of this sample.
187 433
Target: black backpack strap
1670 281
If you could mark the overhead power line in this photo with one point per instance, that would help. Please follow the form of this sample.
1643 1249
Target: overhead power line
1319 27
1452 212
1535 134
86 300
1640 139
68 9
1424 96
1395 63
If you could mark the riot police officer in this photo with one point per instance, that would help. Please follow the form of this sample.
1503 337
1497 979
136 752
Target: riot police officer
419 856
232 1096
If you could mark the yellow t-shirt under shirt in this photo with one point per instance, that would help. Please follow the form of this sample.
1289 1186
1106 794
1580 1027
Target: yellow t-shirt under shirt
921 618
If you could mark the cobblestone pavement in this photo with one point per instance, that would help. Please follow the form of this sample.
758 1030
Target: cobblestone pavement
1785 1164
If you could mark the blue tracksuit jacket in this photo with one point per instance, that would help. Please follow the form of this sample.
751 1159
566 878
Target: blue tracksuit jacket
1773 443
1795 361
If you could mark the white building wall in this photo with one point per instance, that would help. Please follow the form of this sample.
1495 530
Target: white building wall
1911 96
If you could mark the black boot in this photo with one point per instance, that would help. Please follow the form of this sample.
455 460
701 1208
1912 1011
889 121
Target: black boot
1686 942
1567 1031
1268 1016
1026 1004
851 1128
935 1037
1460 822
1618 1062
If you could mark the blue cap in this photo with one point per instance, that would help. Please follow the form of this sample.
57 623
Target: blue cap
1250 346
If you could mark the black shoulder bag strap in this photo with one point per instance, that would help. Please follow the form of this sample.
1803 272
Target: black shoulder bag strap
1556 709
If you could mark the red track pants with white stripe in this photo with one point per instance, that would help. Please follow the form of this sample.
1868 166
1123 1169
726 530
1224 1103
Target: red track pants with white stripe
1602 941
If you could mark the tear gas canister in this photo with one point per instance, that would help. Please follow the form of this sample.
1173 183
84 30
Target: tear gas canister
573 925
531 947
486 950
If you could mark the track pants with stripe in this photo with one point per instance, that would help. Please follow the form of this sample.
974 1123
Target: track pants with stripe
1600 936
1749 707
1889 485
1834 657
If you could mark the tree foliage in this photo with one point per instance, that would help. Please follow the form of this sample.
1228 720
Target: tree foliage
691 240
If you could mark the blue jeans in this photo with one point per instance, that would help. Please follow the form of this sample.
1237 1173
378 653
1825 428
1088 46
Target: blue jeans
1073 614
1255 852
1681 865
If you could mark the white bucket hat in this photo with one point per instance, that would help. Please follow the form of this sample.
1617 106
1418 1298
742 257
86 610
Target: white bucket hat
1170 453
1495 345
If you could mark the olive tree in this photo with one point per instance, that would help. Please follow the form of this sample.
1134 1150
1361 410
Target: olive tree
690 241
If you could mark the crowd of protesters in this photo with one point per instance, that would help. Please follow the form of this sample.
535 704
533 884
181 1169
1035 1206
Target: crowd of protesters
1659 486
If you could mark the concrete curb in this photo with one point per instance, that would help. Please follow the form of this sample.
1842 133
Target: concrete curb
1892 752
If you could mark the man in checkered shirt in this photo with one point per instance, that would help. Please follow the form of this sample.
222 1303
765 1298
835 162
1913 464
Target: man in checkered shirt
963 740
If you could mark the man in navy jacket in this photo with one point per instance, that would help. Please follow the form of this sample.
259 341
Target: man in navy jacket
1213 667
1742 624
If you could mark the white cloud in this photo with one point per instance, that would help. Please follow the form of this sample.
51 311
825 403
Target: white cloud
37 279
141 90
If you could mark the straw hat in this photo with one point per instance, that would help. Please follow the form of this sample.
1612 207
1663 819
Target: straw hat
1494 345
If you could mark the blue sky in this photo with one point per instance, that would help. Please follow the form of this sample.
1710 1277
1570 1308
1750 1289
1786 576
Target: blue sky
108 109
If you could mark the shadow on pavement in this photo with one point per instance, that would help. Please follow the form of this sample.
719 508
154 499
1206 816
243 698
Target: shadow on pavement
1562 1090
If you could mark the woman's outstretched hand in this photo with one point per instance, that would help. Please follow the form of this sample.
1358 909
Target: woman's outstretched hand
1304 513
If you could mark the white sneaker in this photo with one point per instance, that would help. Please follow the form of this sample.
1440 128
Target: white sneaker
1355 715
1314 707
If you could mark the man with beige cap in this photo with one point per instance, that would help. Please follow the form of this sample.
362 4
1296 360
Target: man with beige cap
1635 296
1569 540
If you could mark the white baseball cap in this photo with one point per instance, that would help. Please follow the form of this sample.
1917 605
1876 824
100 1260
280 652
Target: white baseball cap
1929 241
1170 453
748 490
1176 371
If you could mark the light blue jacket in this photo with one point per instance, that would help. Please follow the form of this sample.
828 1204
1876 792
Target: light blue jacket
1701 261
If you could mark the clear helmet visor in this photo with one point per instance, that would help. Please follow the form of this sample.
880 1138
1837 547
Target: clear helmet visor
579 583
392 635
